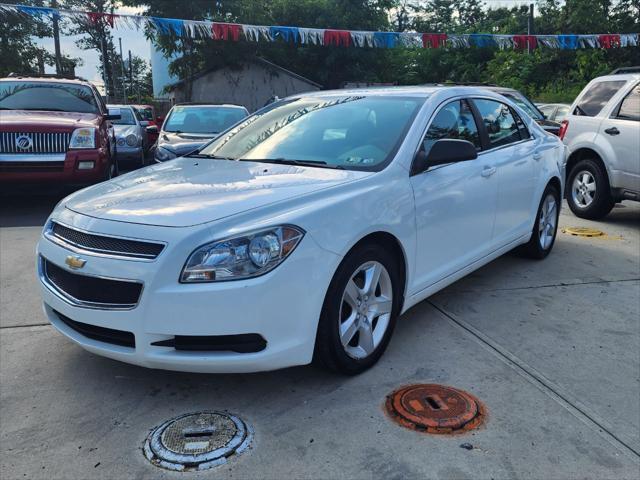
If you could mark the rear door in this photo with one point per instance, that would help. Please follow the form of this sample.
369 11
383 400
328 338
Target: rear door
622 131
455 203
511 149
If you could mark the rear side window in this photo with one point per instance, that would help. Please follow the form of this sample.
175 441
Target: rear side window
522 128
630 106
499 121
455 121
594 99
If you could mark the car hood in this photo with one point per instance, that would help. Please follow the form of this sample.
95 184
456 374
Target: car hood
39 120
124 130
183 143
190 191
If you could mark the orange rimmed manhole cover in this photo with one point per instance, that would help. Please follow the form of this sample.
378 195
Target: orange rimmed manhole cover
435 409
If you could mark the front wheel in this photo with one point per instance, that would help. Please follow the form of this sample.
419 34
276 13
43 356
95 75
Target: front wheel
589 194
112 169
545 229
359 311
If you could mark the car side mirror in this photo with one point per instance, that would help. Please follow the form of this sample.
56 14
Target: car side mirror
446 150
152 129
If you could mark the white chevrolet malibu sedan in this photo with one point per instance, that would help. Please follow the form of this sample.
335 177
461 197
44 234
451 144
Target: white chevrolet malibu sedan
301 233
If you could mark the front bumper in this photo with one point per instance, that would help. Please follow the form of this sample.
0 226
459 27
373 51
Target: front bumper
54 168
127 152
282 306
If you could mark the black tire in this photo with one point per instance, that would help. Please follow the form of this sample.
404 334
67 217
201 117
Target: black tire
534 248
329 351
112 169
602 202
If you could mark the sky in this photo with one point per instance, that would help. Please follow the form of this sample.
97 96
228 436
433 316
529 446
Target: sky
136 42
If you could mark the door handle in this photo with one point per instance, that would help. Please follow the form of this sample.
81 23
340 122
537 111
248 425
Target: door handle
612 131
488 171
537 156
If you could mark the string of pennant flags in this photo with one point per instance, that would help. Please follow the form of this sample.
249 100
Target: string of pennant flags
235 32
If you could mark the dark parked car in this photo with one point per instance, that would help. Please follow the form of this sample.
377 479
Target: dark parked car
54 130
188 127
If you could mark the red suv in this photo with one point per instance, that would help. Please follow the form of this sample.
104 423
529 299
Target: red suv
54 129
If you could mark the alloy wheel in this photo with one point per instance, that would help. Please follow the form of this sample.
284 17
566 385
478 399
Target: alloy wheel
365 309
583 189
548 221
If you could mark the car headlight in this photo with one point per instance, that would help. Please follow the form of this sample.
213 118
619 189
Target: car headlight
121 142
244 256
132 140
83 138
162 154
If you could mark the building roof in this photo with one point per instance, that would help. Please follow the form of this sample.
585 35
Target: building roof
258 60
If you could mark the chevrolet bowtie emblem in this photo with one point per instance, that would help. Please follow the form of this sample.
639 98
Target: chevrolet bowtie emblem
75 262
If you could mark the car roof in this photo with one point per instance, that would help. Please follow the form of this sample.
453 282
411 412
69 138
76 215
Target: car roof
419 91
225 105
74 81
618 76
111 105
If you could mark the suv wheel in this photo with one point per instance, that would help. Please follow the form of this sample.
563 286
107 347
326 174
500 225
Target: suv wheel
112 169
359 311
589 193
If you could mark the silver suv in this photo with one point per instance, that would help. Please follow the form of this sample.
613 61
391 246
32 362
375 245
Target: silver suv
602 134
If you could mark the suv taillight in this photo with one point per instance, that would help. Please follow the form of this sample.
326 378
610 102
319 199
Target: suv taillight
563 129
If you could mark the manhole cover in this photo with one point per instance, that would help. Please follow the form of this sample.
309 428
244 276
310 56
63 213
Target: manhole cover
583 232
197 441
435 409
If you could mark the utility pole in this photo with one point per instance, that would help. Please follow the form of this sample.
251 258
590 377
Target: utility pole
530 26
56 39
124 87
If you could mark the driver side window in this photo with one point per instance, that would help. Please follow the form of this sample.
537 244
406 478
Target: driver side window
454 121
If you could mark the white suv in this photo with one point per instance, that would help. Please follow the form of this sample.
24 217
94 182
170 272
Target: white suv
602 133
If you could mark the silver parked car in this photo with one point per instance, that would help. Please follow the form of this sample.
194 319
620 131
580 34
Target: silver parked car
556 112
602 134
131 132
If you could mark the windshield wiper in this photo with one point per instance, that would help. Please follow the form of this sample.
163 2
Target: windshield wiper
207 155
287 161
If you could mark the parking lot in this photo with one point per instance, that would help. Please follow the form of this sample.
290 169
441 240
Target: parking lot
551 348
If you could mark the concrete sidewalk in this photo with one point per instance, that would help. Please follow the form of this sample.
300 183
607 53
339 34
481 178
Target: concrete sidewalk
552 349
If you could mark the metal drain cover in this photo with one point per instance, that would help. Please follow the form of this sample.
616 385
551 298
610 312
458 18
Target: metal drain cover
197 441
583 232
435 409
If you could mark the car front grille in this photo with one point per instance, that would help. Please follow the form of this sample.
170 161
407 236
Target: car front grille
101 334
91 292
119 247
33 142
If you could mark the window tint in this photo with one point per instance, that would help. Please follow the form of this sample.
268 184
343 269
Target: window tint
56 97
499 122
455 121
597 97
630 106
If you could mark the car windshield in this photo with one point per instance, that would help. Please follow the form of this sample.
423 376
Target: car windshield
203 119
126 117
351 132
525 104
44 96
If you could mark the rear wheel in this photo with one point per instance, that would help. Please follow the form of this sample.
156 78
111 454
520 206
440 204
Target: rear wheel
112 169
545 229
359 311
589 194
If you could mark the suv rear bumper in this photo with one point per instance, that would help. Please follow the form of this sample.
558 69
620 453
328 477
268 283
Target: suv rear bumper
53 168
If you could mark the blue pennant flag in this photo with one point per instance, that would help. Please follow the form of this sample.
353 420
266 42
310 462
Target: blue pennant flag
168 26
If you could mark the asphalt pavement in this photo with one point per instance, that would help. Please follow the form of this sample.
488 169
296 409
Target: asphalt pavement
551 348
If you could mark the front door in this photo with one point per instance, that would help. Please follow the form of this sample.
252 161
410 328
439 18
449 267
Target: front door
455 203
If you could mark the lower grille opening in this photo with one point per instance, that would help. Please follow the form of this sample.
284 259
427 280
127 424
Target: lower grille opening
245 343
35 167
101 334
